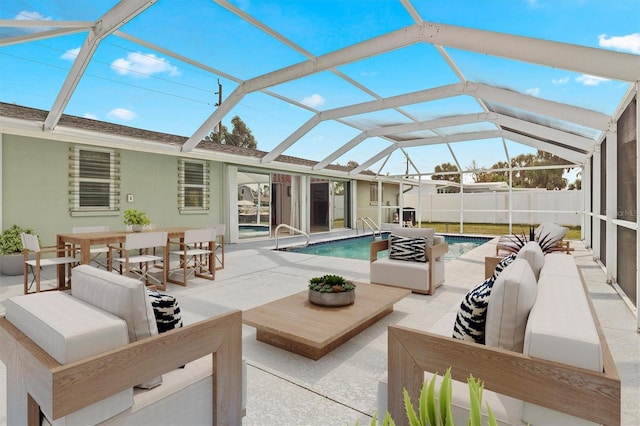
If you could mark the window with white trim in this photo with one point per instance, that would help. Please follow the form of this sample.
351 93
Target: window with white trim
193 185
373 192
94 179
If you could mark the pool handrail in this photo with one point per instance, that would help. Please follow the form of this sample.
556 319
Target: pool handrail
371 224
284 225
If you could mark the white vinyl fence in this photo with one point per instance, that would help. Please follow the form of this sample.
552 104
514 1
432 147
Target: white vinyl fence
528 207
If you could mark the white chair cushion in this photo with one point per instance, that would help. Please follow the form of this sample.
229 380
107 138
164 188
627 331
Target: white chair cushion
122 296
533 254
70 330
512 297
428 233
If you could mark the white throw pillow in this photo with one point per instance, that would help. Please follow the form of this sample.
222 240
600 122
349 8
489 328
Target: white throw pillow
532 253
512 297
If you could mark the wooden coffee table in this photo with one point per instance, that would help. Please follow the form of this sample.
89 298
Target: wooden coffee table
294 324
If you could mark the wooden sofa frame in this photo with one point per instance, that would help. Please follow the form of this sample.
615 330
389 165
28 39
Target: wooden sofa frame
433 252
591 395
63 389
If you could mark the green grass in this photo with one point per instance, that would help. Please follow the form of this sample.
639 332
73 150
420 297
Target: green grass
491 229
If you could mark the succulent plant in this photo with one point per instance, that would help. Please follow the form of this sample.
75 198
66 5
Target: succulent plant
331 284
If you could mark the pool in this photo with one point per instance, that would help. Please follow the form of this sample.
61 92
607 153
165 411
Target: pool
358 247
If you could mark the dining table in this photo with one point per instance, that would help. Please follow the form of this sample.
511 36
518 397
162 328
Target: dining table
85 240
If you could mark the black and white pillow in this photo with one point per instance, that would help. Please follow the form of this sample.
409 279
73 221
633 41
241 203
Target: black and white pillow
166 311
472 315
503 264
412 249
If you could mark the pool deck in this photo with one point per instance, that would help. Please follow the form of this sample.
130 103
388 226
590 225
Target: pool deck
340 388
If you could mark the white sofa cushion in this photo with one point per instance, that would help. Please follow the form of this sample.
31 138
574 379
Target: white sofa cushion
512 297
122 296
533 254
567 335
70 330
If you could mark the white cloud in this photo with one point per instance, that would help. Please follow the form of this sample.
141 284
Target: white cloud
627 43
313 101
590 80
26 15
534 91
30 16
91 116
563 80
70 54
122 114
142 65
368 73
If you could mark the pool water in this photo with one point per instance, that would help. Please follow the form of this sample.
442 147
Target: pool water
358 247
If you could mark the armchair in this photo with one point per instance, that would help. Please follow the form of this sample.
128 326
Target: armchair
415 262
31 244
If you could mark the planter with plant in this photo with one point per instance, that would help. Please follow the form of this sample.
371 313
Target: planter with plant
434 408
136 218
331 290
11 258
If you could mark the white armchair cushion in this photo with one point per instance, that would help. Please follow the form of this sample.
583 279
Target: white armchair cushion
122 296
70 330
512 297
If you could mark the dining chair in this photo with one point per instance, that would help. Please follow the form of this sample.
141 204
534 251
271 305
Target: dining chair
220 231
99 254
197 255
138 256
31 245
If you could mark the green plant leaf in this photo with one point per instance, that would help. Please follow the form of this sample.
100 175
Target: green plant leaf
446 416
422 411
408 406
388 420
432 414
475 401
492 417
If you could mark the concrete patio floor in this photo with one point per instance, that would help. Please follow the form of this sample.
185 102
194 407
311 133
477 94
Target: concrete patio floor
287 389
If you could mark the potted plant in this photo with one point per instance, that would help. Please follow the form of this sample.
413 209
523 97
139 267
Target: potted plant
331 290
11 258
136 218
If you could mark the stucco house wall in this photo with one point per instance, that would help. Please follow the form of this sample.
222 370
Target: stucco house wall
35 186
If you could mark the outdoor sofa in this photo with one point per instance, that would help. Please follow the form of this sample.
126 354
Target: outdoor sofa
76 358
547 365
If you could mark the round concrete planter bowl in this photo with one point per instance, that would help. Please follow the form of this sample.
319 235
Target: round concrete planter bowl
332 299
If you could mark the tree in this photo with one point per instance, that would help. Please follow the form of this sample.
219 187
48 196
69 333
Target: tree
575 185
538 178
240 135
446 167
213 136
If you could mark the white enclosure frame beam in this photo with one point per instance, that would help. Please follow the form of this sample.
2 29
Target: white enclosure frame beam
595 193
119 15
612 205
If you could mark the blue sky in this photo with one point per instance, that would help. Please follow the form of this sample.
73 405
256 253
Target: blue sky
133 85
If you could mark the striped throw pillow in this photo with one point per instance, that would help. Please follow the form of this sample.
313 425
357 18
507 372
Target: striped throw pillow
472 315
408 248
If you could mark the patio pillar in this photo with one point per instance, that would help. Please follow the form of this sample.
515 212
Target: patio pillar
1 183
232 205
612 204
637 204
595 194
461 202
585 232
